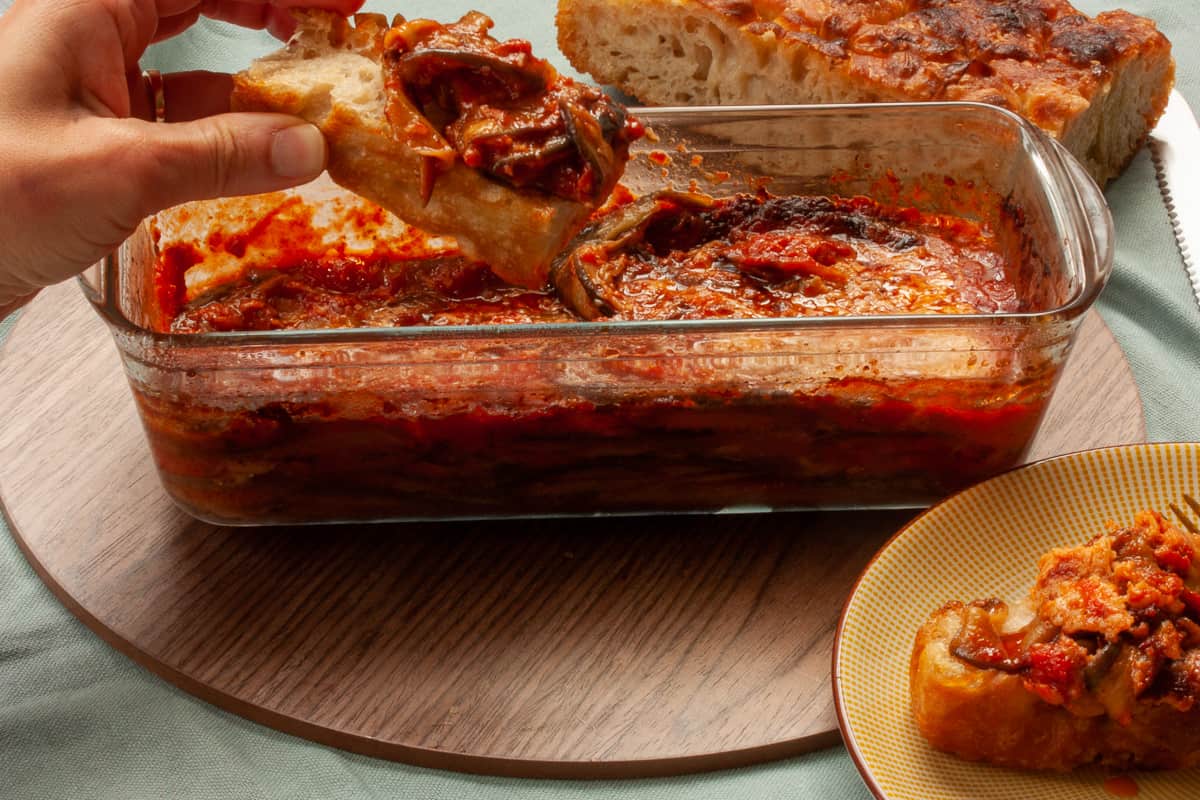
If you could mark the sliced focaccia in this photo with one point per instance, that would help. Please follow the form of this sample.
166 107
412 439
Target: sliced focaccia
1098 85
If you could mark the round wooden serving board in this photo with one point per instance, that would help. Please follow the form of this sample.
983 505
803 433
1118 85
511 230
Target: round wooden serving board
579 647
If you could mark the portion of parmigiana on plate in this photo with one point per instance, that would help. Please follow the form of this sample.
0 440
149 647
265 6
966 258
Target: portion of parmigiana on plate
1105 669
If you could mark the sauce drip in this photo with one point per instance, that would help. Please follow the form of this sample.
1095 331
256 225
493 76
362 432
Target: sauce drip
1121 786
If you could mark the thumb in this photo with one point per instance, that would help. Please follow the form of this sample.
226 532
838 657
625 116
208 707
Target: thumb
224 155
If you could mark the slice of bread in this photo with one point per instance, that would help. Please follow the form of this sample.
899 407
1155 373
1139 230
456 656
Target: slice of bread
1098 85
330 74
1104 667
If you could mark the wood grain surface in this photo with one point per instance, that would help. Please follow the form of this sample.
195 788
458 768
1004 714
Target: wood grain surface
580 647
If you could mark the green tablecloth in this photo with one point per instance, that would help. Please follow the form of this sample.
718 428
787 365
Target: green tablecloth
78 720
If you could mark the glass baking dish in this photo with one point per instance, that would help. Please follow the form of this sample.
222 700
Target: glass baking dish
305 426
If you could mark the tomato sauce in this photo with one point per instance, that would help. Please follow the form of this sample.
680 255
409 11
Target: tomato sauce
1121 786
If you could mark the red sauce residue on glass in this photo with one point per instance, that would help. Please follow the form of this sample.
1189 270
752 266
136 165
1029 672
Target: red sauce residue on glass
1121 786
621 196
169 271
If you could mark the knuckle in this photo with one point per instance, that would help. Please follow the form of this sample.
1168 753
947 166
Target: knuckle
148 167
198 160
224 153
130 153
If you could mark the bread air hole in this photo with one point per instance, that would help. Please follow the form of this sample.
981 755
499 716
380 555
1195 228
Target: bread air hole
673 42
703 57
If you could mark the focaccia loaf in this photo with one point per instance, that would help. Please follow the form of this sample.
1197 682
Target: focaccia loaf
1098 85
332 74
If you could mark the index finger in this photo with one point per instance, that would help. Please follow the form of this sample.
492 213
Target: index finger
176 16
272 15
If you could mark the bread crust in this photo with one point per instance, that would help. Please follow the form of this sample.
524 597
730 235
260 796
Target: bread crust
987 715
1098 85
330 75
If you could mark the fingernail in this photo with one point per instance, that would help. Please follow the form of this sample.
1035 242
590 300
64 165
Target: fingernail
298 152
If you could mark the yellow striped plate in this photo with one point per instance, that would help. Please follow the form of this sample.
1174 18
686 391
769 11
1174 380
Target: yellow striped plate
985 542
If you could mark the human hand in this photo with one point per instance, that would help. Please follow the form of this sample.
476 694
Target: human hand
81 164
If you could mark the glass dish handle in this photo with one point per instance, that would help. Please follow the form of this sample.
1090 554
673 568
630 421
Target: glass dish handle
91 280
1095 211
